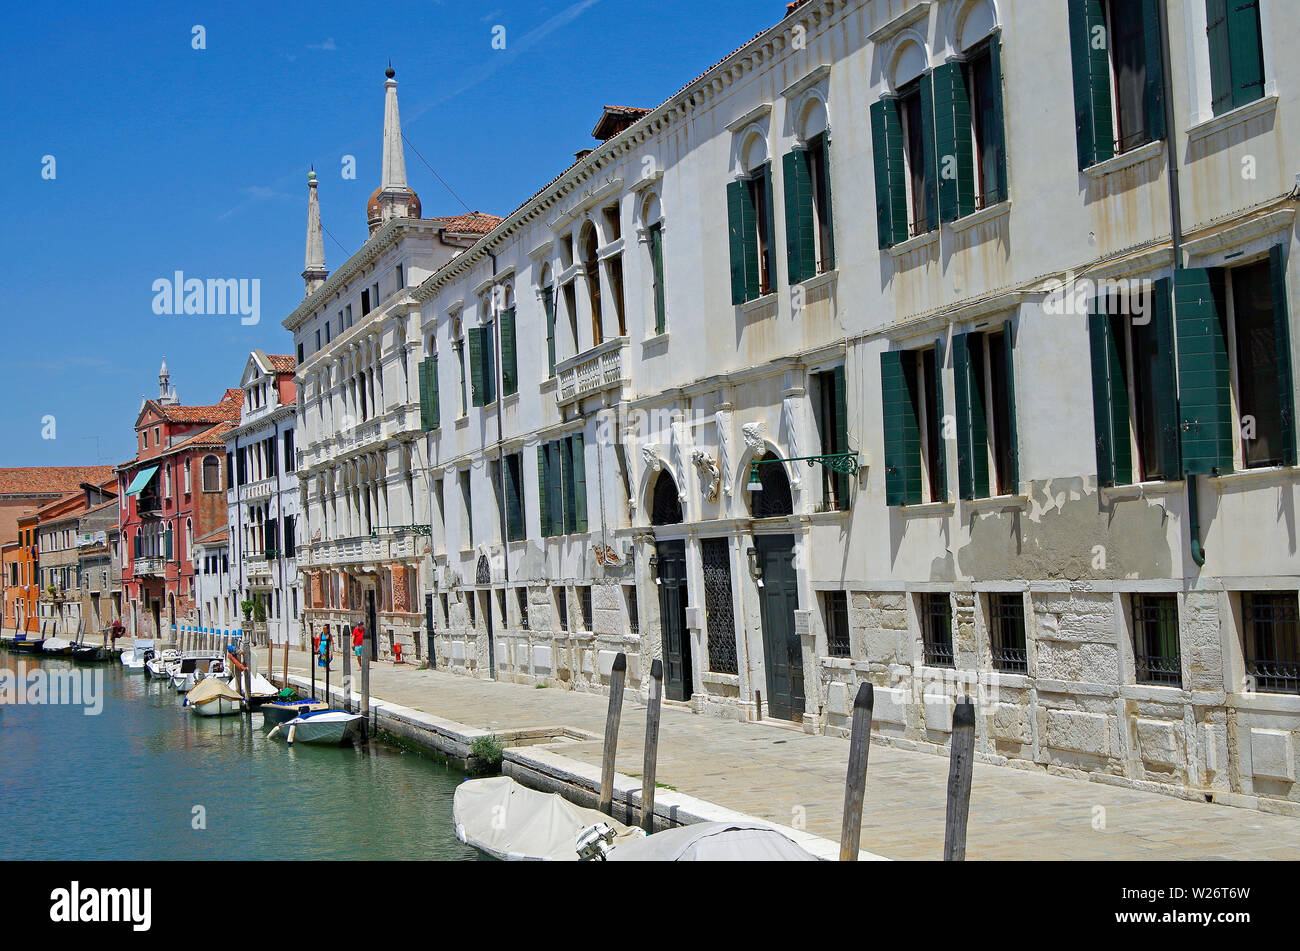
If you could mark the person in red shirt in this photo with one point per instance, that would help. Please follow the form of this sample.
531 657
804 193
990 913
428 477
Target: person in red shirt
358 639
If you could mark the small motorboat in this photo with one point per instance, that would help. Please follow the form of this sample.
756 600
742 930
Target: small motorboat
91 653
275 712
213 697
511 822
712 842
328 728
133 659
57 646
193 667
26 645
156 666
261 690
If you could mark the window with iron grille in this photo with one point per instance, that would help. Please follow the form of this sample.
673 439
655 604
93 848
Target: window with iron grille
1269 641
716 555
562 608
501 606
935 610
446 613
633 620
584 601
836 607
522 595
1156 657
1007 632
469 604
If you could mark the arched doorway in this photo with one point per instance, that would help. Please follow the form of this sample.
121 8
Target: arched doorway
670 578
778 595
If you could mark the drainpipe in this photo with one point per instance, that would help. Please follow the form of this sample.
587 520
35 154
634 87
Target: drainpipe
499 385
1176 237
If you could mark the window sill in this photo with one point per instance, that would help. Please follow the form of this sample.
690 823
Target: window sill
762 302
1125 160
983 216
1139 490
1262 474
655 344
548 384
462 421
998 502
923 509
817 280
914 244
1250 110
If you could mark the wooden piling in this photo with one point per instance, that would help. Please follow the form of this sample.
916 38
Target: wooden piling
617 678
347 673
961 766
248 679
650 763
855 784
284 669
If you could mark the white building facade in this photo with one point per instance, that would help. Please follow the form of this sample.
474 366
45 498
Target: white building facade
1006 363
262 502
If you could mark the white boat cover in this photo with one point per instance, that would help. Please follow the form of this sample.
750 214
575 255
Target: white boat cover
713 842
515 823
55 644
211 688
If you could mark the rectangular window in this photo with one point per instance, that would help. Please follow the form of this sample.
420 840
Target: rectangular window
656 242
983 75
831 413
347 316
718 605
1258 363
467 542
446 611
809 240
915 451
401 277
614 271
1007 632
571 310
548 306
934 611
521 596
327 333
290 459
1156 657
918 152
290 539
516 528
987 455
584 603
562 608
1269 640
459 347
835 608
1236 53
300 355
365 303
633 618
470 598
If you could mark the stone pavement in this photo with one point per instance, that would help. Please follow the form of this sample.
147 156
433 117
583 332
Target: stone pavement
781 774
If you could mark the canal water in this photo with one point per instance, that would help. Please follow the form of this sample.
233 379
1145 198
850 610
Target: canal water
146 779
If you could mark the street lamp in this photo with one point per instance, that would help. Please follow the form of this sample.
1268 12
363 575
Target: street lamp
755 483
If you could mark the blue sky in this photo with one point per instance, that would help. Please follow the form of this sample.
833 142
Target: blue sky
169 158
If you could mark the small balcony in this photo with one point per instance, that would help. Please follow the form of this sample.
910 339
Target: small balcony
597 370
150 566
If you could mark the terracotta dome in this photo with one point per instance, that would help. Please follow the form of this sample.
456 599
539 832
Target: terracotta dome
373 213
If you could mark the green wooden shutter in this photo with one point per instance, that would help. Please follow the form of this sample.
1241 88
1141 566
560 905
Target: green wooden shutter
928 144
509 359
429 408
167 544
828 253
514 498
800 240
769 239
271 537
565 448
548 305
972 422
842 480
1089 46
555 484
1155 85
422 374
1203 383
1216 16
579 483
952 131
657 264
997 131
543 491
936 414
489 362
478 385
1109 400
1164 380
1013 434
1282 347
1246 51
891 187
737 198
902 435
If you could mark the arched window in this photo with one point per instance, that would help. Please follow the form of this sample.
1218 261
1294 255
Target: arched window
591 270
666 508
211 474
774 501
652 216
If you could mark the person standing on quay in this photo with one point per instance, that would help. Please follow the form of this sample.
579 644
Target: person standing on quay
358 640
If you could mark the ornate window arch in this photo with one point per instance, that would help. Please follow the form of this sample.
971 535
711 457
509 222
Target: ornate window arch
666 503
775 500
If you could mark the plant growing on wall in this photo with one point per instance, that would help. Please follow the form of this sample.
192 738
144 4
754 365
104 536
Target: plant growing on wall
247 606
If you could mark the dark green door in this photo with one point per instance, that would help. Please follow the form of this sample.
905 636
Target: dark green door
782 653
678 684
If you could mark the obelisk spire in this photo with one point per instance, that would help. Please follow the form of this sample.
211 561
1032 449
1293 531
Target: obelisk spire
393 198
314 274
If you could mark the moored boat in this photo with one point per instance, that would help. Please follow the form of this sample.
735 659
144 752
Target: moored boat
157 665
213 697
275 712
133 658
26 645
91 653
328 728
58 646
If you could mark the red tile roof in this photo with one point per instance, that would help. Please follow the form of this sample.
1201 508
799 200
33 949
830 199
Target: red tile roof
227 409
474 222
220 535
50 480
282 362
209 437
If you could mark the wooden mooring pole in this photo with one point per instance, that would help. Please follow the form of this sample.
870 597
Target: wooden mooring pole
617 678
855 784
347 673
651 746
284 669
961 766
